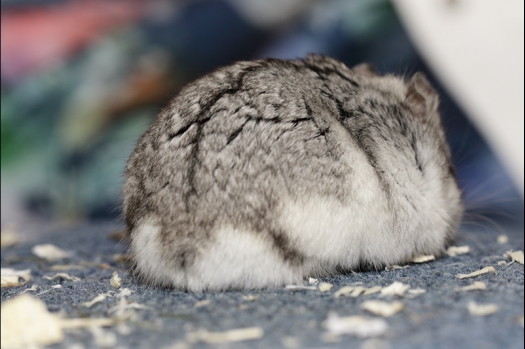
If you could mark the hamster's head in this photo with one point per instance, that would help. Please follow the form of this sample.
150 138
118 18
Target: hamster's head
409 115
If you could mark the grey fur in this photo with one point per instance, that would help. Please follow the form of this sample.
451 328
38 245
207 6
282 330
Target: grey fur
233 143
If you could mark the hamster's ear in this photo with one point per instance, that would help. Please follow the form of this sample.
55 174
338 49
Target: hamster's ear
421 96
365 69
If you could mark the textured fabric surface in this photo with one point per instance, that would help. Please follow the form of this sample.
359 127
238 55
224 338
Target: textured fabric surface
290 318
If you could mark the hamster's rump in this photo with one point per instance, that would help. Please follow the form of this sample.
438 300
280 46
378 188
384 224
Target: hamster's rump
267 172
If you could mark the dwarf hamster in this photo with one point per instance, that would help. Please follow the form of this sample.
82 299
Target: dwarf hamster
267 172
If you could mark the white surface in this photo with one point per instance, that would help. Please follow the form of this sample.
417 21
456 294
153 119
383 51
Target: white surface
476 49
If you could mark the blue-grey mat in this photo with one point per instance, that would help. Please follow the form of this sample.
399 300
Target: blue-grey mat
436 319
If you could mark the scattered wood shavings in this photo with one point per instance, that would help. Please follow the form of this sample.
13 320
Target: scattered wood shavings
416 292
119 235
250 297
502 263
122 258
124 292
8 238
372 290
360 326
290 342
453 251
300 287
92 264
423 258
103 339
63 276
11 278
343 291
33 288
313 281
26 323
395 289
325 286
95 300
503 239
515 256
356 291
67 267
115 280
478 285
123 305
382 308
237 335
478 272
49 289
350 291
395 267
50 252
482 309
202 303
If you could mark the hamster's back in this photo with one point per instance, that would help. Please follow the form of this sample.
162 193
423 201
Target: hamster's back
264 173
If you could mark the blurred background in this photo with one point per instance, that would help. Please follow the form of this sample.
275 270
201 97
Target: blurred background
81 81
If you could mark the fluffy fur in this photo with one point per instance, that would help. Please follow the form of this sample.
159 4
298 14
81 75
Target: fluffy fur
264 173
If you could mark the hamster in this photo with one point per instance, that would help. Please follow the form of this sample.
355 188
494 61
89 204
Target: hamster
267 172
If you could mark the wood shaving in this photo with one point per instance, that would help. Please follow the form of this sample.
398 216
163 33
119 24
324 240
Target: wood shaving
250 297
33 288
103 339
395 289
478 272
8 238
95 300
202 303
125 306
100 265
503 239
122 258
11 278
115 280
237 335
26 322
50 252
313 281
63 276
382 308
502 263
124 292
67 267
325 286
453 251
395 267
359 326
423 258
372 290
300 287
356 291
119 235
49 289
350 291
482 309
290 342
416 291
478 285
343 291
515 256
